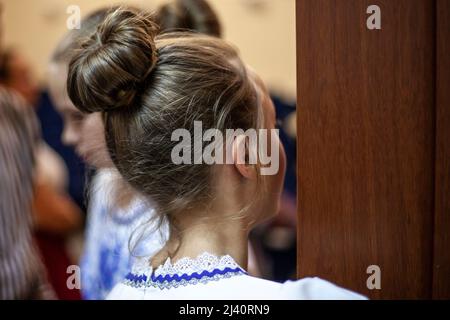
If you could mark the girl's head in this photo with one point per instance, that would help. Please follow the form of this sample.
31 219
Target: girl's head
147 86
84 132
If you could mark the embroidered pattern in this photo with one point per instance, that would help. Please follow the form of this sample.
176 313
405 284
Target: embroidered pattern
205 268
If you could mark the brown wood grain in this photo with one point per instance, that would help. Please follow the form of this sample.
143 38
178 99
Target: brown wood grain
366 144
441 263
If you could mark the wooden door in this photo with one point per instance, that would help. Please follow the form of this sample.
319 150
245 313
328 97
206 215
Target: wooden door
373 145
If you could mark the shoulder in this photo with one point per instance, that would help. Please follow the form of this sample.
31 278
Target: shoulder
101 189
303 289
317 289
102 180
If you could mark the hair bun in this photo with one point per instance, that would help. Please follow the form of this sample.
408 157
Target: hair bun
110 67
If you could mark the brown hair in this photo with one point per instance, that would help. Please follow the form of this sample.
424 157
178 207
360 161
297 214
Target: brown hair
193 15
148 86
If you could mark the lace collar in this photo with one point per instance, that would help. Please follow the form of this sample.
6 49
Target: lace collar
203 269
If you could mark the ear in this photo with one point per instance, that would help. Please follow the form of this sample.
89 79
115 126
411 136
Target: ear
240 152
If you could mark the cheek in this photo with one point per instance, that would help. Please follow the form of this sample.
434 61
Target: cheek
95 129
94 143
93 134
282 173
283 161
278 178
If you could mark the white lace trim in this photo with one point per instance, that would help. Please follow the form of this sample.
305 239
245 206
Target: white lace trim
185 266
175 284
204 262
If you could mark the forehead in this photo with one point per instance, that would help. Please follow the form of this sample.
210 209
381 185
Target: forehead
57 87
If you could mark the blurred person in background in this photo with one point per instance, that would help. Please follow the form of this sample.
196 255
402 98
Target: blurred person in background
56 215
116 213
22 275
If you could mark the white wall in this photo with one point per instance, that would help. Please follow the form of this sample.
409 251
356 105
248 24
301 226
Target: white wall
263 30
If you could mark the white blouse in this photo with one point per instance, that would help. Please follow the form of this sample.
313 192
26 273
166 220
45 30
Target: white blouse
209 277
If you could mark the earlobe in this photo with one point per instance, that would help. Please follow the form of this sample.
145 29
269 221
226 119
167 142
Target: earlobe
240 154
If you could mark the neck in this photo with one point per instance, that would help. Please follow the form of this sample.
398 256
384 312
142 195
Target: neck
219 228
217 238
225 237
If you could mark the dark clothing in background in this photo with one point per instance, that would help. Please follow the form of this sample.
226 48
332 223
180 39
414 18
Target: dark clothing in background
283 111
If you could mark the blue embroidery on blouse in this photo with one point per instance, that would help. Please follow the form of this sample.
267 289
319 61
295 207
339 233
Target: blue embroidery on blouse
168 281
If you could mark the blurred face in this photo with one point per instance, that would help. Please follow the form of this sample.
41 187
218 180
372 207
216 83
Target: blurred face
84 132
